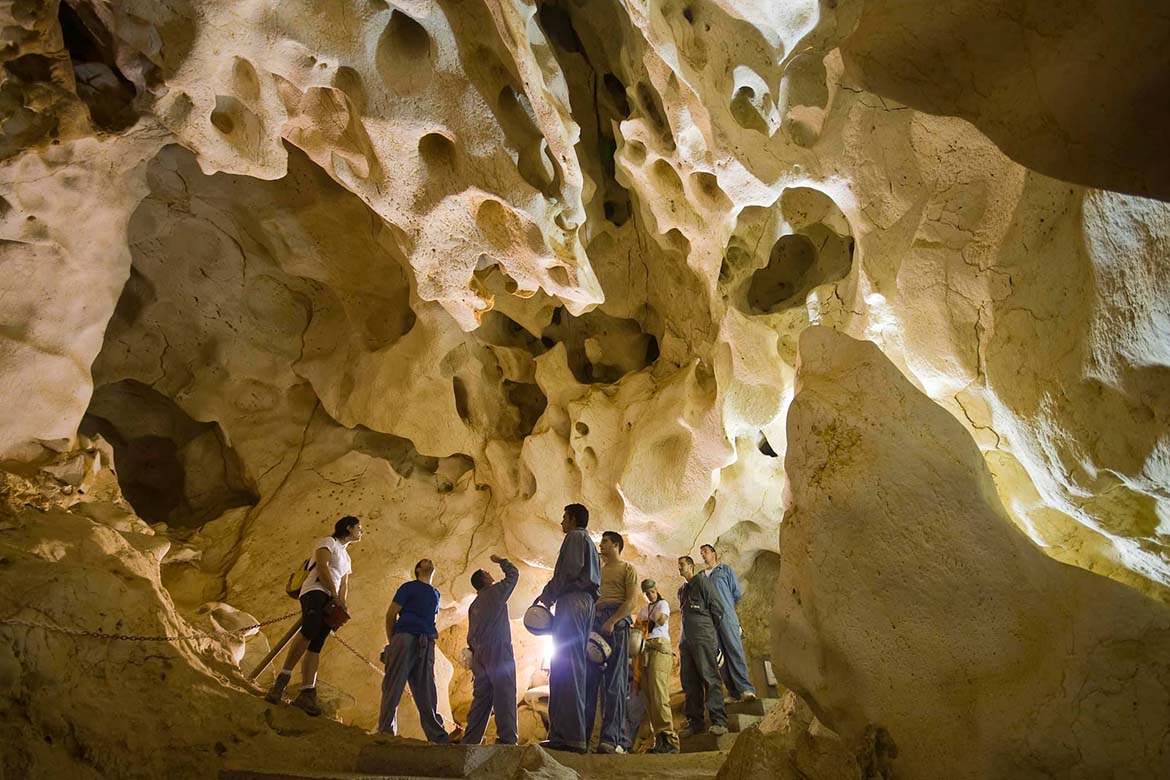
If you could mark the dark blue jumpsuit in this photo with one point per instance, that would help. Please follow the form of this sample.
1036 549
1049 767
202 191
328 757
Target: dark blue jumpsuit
573 589
493 666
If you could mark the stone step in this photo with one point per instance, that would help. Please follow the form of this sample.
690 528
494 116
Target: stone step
738 722
707 742
754 707
247 774
433 762
394 756
643 766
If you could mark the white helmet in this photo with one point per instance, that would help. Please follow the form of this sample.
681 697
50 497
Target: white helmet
636 643
465 658
538 619
597 650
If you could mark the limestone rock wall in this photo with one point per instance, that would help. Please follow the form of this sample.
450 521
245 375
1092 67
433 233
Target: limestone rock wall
1096 118
908 601
72 706
450 264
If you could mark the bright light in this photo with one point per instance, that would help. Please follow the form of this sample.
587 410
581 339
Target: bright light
548 650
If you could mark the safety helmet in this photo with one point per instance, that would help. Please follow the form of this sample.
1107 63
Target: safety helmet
636 643
597 650
538 619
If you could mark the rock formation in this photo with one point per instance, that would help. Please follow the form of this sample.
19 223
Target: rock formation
908 601
449 264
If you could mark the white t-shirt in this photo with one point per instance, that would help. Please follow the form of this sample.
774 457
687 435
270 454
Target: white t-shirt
339 566
659 607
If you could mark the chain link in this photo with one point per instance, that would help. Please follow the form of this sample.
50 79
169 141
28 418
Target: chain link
361 657
99 634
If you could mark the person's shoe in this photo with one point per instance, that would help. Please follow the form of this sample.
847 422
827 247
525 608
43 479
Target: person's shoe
718 730
307 701
605 747
748 696
690 730
275 694
561 746
663 744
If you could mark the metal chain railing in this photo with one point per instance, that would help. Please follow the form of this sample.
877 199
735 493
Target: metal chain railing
99 634
357 654
198 634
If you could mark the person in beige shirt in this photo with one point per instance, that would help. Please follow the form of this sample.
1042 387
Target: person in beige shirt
619 597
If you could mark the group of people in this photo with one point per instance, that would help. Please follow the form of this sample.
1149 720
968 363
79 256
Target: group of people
595 602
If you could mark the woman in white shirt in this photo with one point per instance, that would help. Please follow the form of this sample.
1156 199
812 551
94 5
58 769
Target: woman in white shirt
658 659
328 580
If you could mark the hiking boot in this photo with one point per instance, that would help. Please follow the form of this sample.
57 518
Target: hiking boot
691 730
275 694
607 748
307 701
718 730
748 696
659 744
663 744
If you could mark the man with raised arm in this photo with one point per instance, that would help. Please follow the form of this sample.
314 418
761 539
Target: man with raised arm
573 589
619 597
410 654
493 666
735 671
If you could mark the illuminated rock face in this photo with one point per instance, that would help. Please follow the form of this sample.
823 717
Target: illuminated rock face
450 265
908 601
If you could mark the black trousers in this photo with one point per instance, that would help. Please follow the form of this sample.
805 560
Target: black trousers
699 672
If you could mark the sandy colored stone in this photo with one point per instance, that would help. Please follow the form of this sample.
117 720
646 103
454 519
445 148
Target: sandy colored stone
449 266
1095 119
908 601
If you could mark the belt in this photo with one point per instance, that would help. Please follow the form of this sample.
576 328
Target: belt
660 645
601 614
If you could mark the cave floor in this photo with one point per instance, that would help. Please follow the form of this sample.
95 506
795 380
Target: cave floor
414 761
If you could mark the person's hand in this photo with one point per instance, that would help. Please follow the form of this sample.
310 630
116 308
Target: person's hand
497 558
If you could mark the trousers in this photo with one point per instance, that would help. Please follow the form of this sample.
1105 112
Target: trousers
735 670
699 670
493 688
410 659
656 684
611 684
566 675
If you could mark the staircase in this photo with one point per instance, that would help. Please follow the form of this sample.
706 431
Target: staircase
741 715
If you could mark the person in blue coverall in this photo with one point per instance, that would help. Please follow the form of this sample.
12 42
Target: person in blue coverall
573 590
735 671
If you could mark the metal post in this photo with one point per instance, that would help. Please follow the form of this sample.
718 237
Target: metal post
275 651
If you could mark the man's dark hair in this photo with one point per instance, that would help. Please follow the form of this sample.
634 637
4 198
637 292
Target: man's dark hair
708 547
344 526
616 538
480 580
418 566
689 560
579 514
